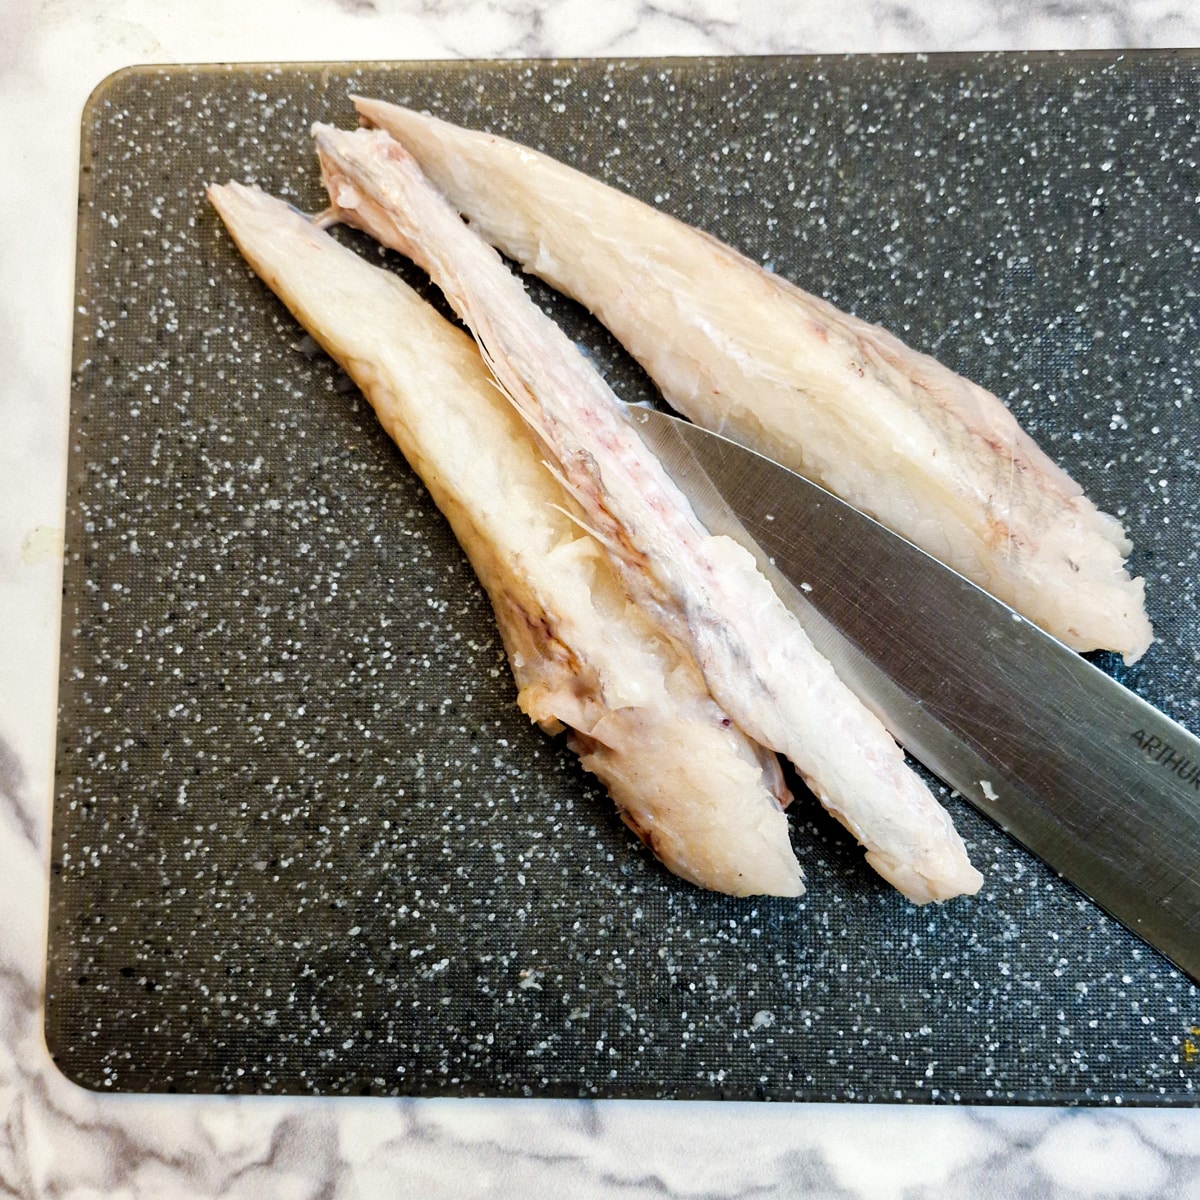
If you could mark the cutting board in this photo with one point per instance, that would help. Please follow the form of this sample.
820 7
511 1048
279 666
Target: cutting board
303 839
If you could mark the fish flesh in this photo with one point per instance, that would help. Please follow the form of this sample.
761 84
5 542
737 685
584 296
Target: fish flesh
705 590
706 799
738 349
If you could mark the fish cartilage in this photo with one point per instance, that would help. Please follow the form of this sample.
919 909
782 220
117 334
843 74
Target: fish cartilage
757 661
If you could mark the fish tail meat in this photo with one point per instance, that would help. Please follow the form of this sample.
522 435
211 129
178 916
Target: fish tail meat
702 795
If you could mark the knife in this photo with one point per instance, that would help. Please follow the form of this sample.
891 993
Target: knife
1089 777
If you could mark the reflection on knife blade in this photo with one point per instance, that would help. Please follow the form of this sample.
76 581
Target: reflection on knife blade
1080 770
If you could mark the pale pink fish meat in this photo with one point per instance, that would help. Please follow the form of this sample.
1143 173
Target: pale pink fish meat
757 661
740 350
706 799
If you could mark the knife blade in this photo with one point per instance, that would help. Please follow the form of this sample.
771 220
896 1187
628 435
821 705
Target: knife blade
1081 771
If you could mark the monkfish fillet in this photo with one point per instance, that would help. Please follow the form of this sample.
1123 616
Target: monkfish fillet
706 590
739 350
704 797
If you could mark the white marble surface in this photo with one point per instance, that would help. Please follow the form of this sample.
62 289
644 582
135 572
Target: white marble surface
56 1140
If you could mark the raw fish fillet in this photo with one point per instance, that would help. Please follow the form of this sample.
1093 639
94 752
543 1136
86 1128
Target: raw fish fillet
739 350
758 662
701 795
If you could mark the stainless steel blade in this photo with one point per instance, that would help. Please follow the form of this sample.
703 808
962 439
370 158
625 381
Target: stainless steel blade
1082 772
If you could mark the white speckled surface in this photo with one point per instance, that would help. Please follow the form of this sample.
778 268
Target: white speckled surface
59 1140
285 729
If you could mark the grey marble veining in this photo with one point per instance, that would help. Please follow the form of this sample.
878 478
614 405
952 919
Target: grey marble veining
59 1140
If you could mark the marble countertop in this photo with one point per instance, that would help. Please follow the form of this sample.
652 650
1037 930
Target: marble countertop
60 1140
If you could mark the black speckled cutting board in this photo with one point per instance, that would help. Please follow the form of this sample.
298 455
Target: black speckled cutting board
303 839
